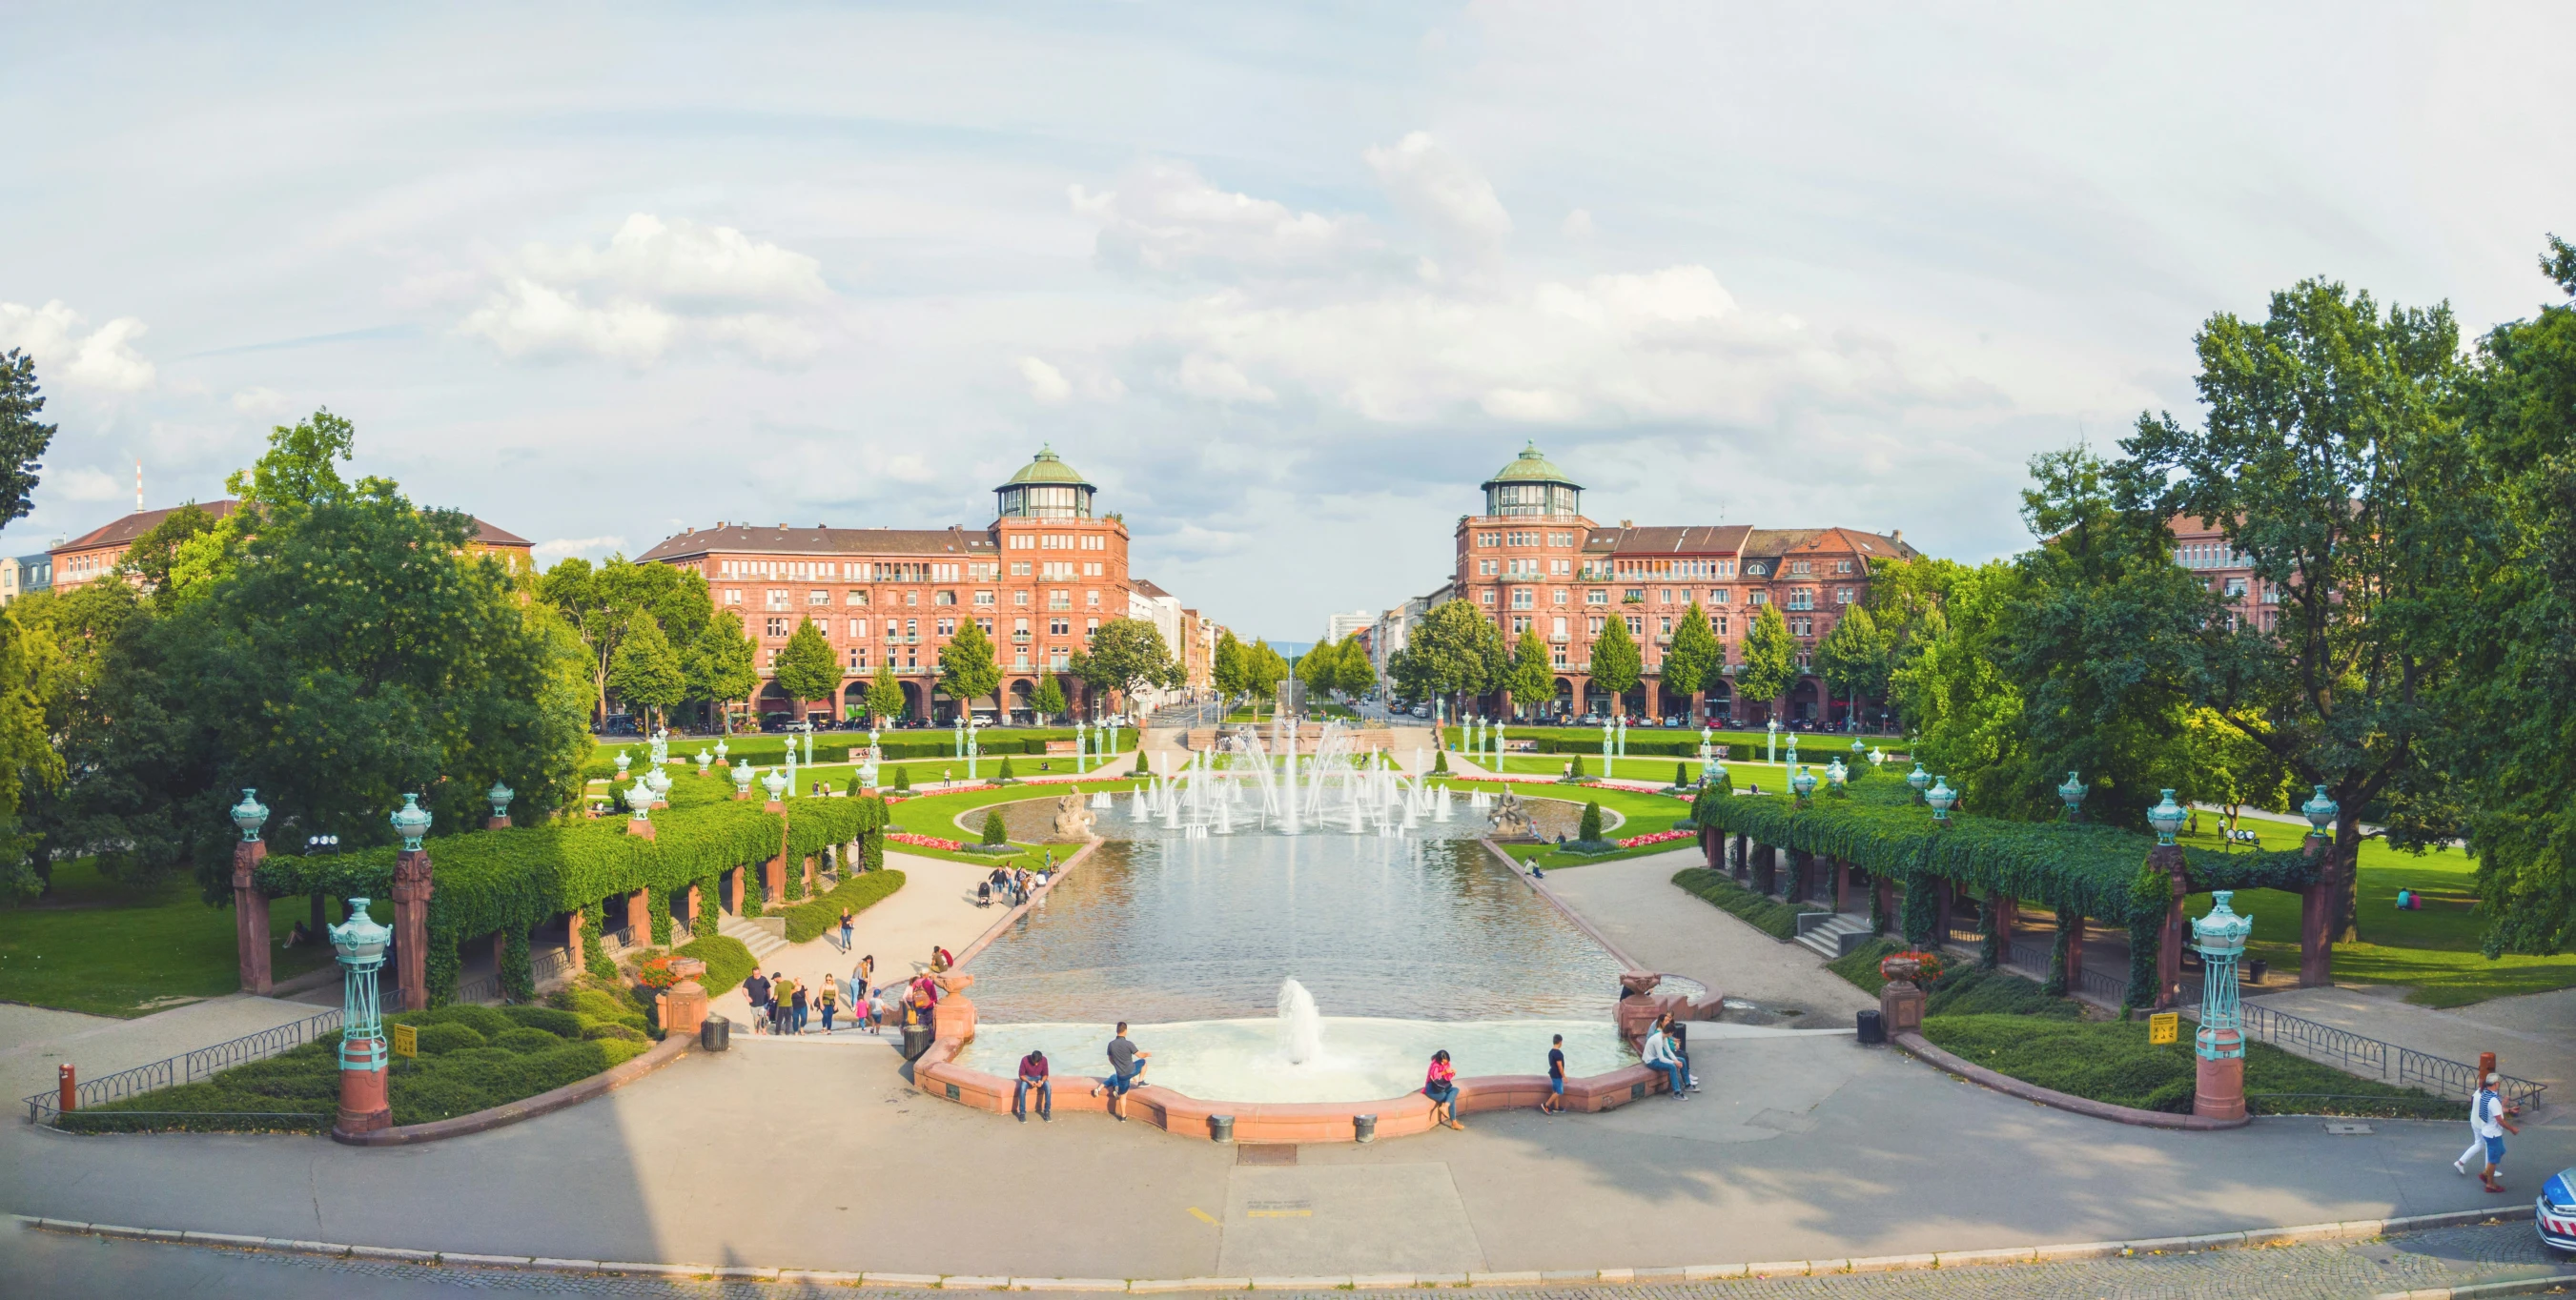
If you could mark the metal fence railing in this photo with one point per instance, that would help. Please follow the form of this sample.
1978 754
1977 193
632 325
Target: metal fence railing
2374 1059
187 1067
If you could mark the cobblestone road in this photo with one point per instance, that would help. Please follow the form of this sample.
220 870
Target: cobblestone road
58 1265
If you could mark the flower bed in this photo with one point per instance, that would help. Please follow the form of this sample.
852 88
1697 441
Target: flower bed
924 841
1656 837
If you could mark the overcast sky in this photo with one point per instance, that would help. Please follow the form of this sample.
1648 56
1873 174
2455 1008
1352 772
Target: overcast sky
1286 284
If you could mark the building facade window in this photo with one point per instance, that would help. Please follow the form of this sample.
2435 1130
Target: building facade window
774 627
733 595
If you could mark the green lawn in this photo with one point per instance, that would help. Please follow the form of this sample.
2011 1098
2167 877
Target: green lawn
92 946
1771 776
2112 1061
1719 890
1644 813
2435 949
937 815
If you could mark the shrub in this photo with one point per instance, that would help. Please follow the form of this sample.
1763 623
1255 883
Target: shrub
994 831
437 1040
729 963
524 1041
857 893
1006 772
1769 915
903 780
1576 767
561 1024
622 1033
1681 775
601 1002
1440 763
1590 831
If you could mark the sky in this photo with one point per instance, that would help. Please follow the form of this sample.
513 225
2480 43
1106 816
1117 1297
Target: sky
1286 282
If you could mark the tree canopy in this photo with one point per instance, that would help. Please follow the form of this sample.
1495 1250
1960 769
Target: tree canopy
1455 652
23 437
1530 677
1770 658
1694 658
1128 655
807 669
967 668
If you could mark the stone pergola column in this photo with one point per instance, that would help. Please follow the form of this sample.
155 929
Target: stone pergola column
250 917
2169 859
1887 901
2004 912
639 918
411 928
1802 865
694 903
2072 923
733 890
1842 881
573 939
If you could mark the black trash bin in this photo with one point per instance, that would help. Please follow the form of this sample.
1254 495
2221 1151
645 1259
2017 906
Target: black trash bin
715 1034
1873 1027
1221 1127
916 1040
1364 1127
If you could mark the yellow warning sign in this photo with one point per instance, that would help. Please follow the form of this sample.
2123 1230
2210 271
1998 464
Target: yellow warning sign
407 1040
2164 1027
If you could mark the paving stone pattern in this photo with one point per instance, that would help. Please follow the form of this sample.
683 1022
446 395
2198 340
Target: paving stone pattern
2327 1270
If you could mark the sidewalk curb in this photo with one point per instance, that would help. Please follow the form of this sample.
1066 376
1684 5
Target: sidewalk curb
670 1049
2249 1237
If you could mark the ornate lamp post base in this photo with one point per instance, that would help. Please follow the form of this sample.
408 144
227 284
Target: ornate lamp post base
2219 1090
365 1106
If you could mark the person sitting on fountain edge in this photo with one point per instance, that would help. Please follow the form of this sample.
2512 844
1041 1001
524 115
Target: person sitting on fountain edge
1441 1086
1033 1074
1126 1065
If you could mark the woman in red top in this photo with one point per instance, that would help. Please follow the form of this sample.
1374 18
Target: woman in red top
1441 1086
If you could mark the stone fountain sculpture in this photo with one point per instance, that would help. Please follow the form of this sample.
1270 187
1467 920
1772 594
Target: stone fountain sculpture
1510 819
1072 819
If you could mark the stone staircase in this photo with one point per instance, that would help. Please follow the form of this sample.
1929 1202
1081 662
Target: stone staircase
763 935
1832 935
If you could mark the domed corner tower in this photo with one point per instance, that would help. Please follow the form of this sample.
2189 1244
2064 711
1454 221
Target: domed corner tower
1045 488
1532 486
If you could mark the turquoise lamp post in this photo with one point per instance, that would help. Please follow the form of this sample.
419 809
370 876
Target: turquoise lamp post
2320 812
360 944
742 780
1836 775
2220 939
1920 780
639 800
1805 784
1941 797
2166 817
1792 759
775 783
660 781
499 796
2073 793
704 760
623 759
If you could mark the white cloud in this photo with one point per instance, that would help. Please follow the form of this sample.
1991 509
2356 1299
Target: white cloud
1163 219
1046 383
654 285
1441 190
101 358
264 403
85 483
1218 380
1578 225
546 554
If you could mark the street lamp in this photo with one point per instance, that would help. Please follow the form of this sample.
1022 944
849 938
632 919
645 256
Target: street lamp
2219 1091
704 758
639 800
1918 778
2320 812
2166 817
1804 783
775 783
360 944
1941 797
1835 776
411 821
2073 793
742 780
250 814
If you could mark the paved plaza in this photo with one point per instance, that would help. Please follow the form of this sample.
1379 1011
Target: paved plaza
816 1154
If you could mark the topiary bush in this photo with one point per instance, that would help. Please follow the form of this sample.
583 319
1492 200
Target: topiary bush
995 833
1006 777
436 1040
524 1041
1591 827
903 780
729 963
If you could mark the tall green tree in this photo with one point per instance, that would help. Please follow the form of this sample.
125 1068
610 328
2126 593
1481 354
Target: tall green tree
885 697
2331 458
1226 671
967 667
1356 675
1455 652
1530 676
601 601
2513 700
1951 691
1047 701
1128 655
1617 665
23 437
1770 660
151 558
722 666
807 669
1318 668
1853 658
83 627
1694 658
1263 670
646 671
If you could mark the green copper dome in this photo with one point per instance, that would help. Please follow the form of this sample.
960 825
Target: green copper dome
1048 468
1530 467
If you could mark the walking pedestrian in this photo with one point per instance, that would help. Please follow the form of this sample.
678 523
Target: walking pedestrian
829 998
1554 1102
848 920
757 990
2487 1112
798 1007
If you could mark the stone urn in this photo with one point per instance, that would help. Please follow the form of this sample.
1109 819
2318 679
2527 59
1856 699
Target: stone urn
1900 1000
684 1007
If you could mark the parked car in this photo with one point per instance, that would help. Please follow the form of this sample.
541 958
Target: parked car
2554 1213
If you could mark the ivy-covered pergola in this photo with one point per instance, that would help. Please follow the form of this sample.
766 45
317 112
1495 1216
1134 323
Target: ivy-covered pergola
2081 870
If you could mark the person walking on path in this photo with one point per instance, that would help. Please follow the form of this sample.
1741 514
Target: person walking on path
757 990
1554 1102
829 998
2477 1148
2487 1112
798 1005
848 919
1126 1065
1659 1058
1440 1084
1033 1074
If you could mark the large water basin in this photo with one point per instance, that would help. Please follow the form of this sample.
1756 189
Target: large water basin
1356 1058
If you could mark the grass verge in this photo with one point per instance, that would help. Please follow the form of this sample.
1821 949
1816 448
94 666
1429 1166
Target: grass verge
2112 1061
93 945
809 919
1769 915
471 1058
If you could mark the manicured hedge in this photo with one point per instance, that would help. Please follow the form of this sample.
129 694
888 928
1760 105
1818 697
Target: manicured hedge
2112 1061
510 880
835 747
1769 915
808 920
729 963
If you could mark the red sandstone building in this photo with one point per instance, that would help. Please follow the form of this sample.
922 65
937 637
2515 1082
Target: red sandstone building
94 555
1039 580
1533 562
